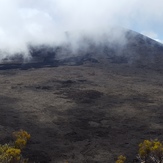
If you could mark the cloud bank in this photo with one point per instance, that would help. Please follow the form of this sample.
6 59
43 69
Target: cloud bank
49 22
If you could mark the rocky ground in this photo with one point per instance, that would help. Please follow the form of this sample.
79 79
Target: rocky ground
87 114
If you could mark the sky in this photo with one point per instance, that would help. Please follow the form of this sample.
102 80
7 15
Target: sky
24 22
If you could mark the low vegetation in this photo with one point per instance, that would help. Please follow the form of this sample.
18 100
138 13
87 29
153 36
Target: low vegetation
150 151
11 152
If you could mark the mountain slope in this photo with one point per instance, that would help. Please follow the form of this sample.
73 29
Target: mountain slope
89 106
127 47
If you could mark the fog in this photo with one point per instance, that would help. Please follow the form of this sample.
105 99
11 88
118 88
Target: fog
56 22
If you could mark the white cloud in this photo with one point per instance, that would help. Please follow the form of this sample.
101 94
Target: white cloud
158 40
152 35
46 21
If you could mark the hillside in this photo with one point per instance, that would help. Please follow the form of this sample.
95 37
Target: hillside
87 108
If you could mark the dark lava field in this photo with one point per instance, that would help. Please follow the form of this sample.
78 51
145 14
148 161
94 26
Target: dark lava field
88 113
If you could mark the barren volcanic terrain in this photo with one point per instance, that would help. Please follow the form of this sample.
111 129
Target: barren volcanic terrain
84 109
88 113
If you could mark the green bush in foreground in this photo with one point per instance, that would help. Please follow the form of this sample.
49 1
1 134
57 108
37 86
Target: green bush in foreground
150 151
11 152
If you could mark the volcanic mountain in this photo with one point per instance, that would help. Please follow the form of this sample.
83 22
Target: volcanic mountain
128 47
86 105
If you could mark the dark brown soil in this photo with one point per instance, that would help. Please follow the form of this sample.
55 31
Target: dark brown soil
87 114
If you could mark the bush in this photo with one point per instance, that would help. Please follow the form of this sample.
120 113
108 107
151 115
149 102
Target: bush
11 152
150 151
121 159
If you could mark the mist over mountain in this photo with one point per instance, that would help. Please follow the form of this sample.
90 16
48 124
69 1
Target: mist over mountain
83 78
117 46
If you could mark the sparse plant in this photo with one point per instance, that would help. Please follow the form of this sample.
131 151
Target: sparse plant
11 152
121 159
21 137
150 151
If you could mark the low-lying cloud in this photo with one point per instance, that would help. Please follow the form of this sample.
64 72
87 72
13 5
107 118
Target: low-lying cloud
55 22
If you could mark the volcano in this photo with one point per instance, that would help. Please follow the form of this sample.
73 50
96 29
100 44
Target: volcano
134 48
89 105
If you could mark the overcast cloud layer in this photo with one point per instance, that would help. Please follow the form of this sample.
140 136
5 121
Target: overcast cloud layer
48 21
